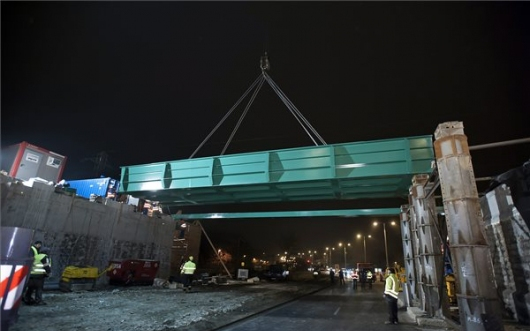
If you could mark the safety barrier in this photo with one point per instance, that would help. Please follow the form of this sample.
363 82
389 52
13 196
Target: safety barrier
16 265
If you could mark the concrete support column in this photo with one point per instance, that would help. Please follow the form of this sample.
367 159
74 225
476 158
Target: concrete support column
476 291
411 294
430 250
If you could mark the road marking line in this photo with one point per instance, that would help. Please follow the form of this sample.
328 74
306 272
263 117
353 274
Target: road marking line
336 311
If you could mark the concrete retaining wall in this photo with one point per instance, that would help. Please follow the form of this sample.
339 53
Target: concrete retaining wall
83 233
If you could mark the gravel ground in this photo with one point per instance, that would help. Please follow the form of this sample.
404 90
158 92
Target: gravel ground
150 308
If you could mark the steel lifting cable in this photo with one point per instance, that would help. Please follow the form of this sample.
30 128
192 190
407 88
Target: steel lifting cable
292 108
260 78
296 113
289 104
298 119
243 115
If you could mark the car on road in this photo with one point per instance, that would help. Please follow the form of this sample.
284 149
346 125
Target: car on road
276 272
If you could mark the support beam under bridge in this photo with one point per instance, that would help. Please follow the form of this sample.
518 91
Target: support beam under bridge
302 213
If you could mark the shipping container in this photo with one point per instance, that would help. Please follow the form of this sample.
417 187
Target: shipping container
97 187
24 161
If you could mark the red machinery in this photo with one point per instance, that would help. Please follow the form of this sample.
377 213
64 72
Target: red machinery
132 272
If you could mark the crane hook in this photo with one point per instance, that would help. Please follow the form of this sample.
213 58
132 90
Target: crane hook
264 63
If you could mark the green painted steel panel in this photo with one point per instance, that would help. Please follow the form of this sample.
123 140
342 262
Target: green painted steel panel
372 169
291 214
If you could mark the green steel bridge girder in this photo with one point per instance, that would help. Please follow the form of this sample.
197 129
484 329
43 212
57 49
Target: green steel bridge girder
300 213
294 214
372 169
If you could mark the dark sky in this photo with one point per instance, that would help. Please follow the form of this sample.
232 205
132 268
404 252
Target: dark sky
148 81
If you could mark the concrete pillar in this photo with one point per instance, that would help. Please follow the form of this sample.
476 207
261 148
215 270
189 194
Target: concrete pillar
430 244
409 288
478 301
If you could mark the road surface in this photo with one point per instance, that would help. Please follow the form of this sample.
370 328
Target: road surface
337 308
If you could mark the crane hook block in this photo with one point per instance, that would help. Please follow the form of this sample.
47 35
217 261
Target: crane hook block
264 63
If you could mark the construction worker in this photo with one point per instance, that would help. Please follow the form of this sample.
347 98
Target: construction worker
363 278
188 269
355 277
369 278
391 296
34 251
182 226
40 269
35 248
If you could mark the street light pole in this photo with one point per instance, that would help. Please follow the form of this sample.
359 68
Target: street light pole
364 241
330 262
386 244
345 256
340 245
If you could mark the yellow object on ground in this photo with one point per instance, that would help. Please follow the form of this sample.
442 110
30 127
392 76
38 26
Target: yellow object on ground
80 278
80 272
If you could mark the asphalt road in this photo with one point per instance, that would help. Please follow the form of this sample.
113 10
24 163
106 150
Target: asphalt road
336 308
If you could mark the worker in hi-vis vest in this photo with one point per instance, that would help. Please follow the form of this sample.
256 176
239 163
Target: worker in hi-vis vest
369 278
187 271
40 269
355 277
391 296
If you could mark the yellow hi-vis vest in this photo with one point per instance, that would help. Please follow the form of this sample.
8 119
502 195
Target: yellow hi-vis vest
38 267
392 285
188 268
35 251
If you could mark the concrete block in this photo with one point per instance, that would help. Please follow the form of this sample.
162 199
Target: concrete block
420 317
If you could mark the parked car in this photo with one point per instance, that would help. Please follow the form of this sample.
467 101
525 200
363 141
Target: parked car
276 272
324 272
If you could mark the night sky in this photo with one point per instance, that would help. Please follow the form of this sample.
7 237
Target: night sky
146 82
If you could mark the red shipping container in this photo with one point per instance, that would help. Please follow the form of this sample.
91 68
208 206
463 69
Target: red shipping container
133 272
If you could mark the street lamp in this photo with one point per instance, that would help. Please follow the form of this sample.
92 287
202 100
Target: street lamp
345 253
386 244
364 241
330 257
